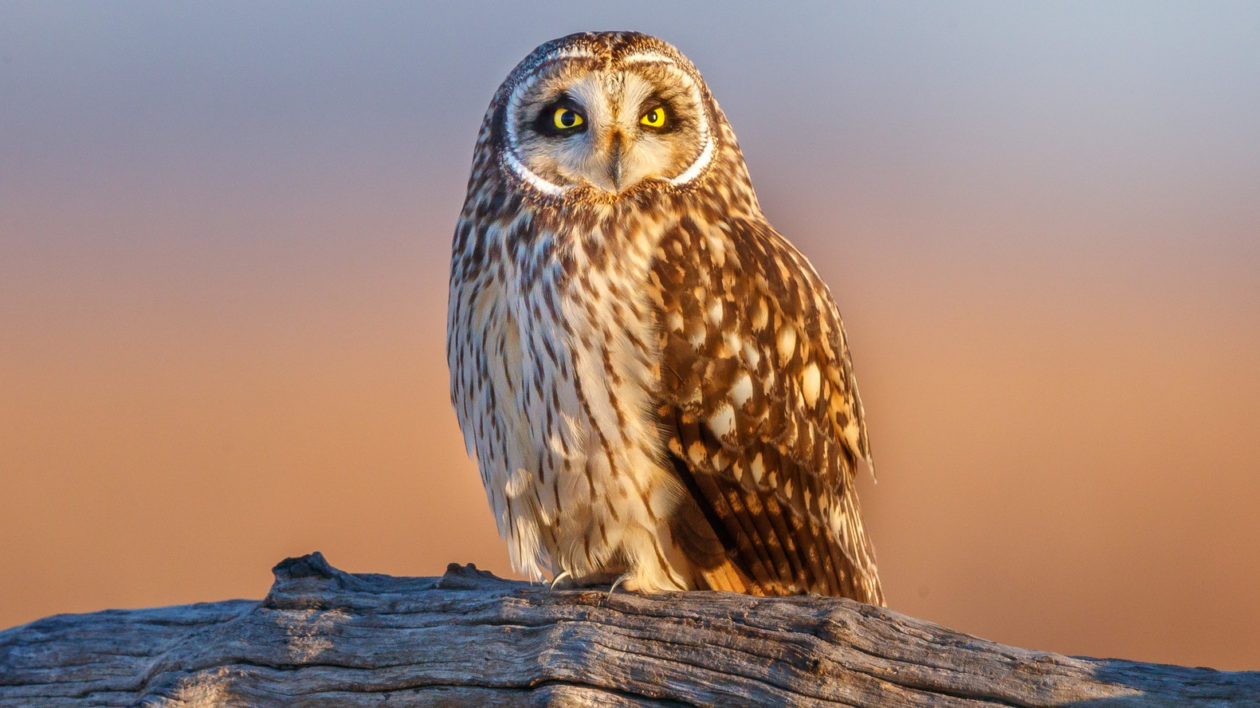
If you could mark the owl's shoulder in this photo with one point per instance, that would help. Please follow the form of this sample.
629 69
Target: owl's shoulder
751 335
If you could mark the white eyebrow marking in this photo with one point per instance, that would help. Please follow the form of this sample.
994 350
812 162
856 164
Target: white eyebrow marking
572 53
646 58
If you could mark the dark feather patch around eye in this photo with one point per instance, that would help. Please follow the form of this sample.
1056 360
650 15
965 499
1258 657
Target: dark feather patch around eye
675 118
544 122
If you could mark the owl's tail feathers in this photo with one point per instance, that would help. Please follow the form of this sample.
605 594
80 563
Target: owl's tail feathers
701 556
727 577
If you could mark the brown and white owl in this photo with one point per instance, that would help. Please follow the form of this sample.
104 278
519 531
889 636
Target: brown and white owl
655 384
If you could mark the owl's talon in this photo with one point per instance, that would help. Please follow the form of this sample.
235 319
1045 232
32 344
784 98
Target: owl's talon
615 584
556 580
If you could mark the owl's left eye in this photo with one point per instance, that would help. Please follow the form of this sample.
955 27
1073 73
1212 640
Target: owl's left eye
654 118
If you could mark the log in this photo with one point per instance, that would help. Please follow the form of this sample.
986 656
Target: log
323 637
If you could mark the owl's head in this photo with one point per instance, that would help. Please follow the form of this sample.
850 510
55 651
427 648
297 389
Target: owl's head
607 113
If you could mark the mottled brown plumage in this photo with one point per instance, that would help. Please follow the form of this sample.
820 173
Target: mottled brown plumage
656 384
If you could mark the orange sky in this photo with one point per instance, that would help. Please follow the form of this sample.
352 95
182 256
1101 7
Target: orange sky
223 294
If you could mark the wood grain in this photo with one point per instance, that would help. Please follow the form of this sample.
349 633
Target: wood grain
323 637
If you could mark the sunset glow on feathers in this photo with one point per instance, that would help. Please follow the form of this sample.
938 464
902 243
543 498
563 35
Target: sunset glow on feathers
656 385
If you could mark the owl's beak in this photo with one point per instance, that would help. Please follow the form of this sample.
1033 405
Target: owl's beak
614 161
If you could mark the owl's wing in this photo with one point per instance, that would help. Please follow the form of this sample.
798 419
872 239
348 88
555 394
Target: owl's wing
761 409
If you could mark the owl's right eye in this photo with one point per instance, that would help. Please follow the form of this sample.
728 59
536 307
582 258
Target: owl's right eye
561 118
566 119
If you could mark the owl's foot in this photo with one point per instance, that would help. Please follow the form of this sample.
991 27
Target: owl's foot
568 581
617 582
566 575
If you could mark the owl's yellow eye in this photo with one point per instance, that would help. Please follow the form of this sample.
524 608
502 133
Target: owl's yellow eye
654 118
566 119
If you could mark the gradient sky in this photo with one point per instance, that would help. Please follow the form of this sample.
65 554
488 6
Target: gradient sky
224 237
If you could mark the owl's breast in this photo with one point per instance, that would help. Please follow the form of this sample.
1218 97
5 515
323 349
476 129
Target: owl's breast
588 337
568 361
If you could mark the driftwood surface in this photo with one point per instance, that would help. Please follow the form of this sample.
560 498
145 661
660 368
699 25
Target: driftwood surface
323 637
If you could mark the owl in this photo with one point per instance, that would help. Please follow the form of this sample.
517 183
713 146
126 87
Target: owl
655 384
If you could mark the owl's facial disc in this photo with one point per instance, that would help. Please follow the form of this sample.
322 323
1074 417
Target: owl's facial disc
577 124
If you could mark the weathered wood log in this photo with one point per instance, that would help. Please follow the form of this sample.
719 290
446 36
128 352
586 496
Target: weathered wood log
323 637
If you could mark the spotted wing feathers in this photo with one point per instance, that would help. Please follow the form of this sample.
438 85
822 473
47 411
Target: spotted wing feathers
760 408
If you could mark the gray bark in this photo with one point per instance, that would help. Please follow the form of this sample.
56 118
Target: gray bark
323 637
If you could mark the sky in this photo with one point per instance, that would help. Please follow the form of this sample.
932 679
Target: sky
224 241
